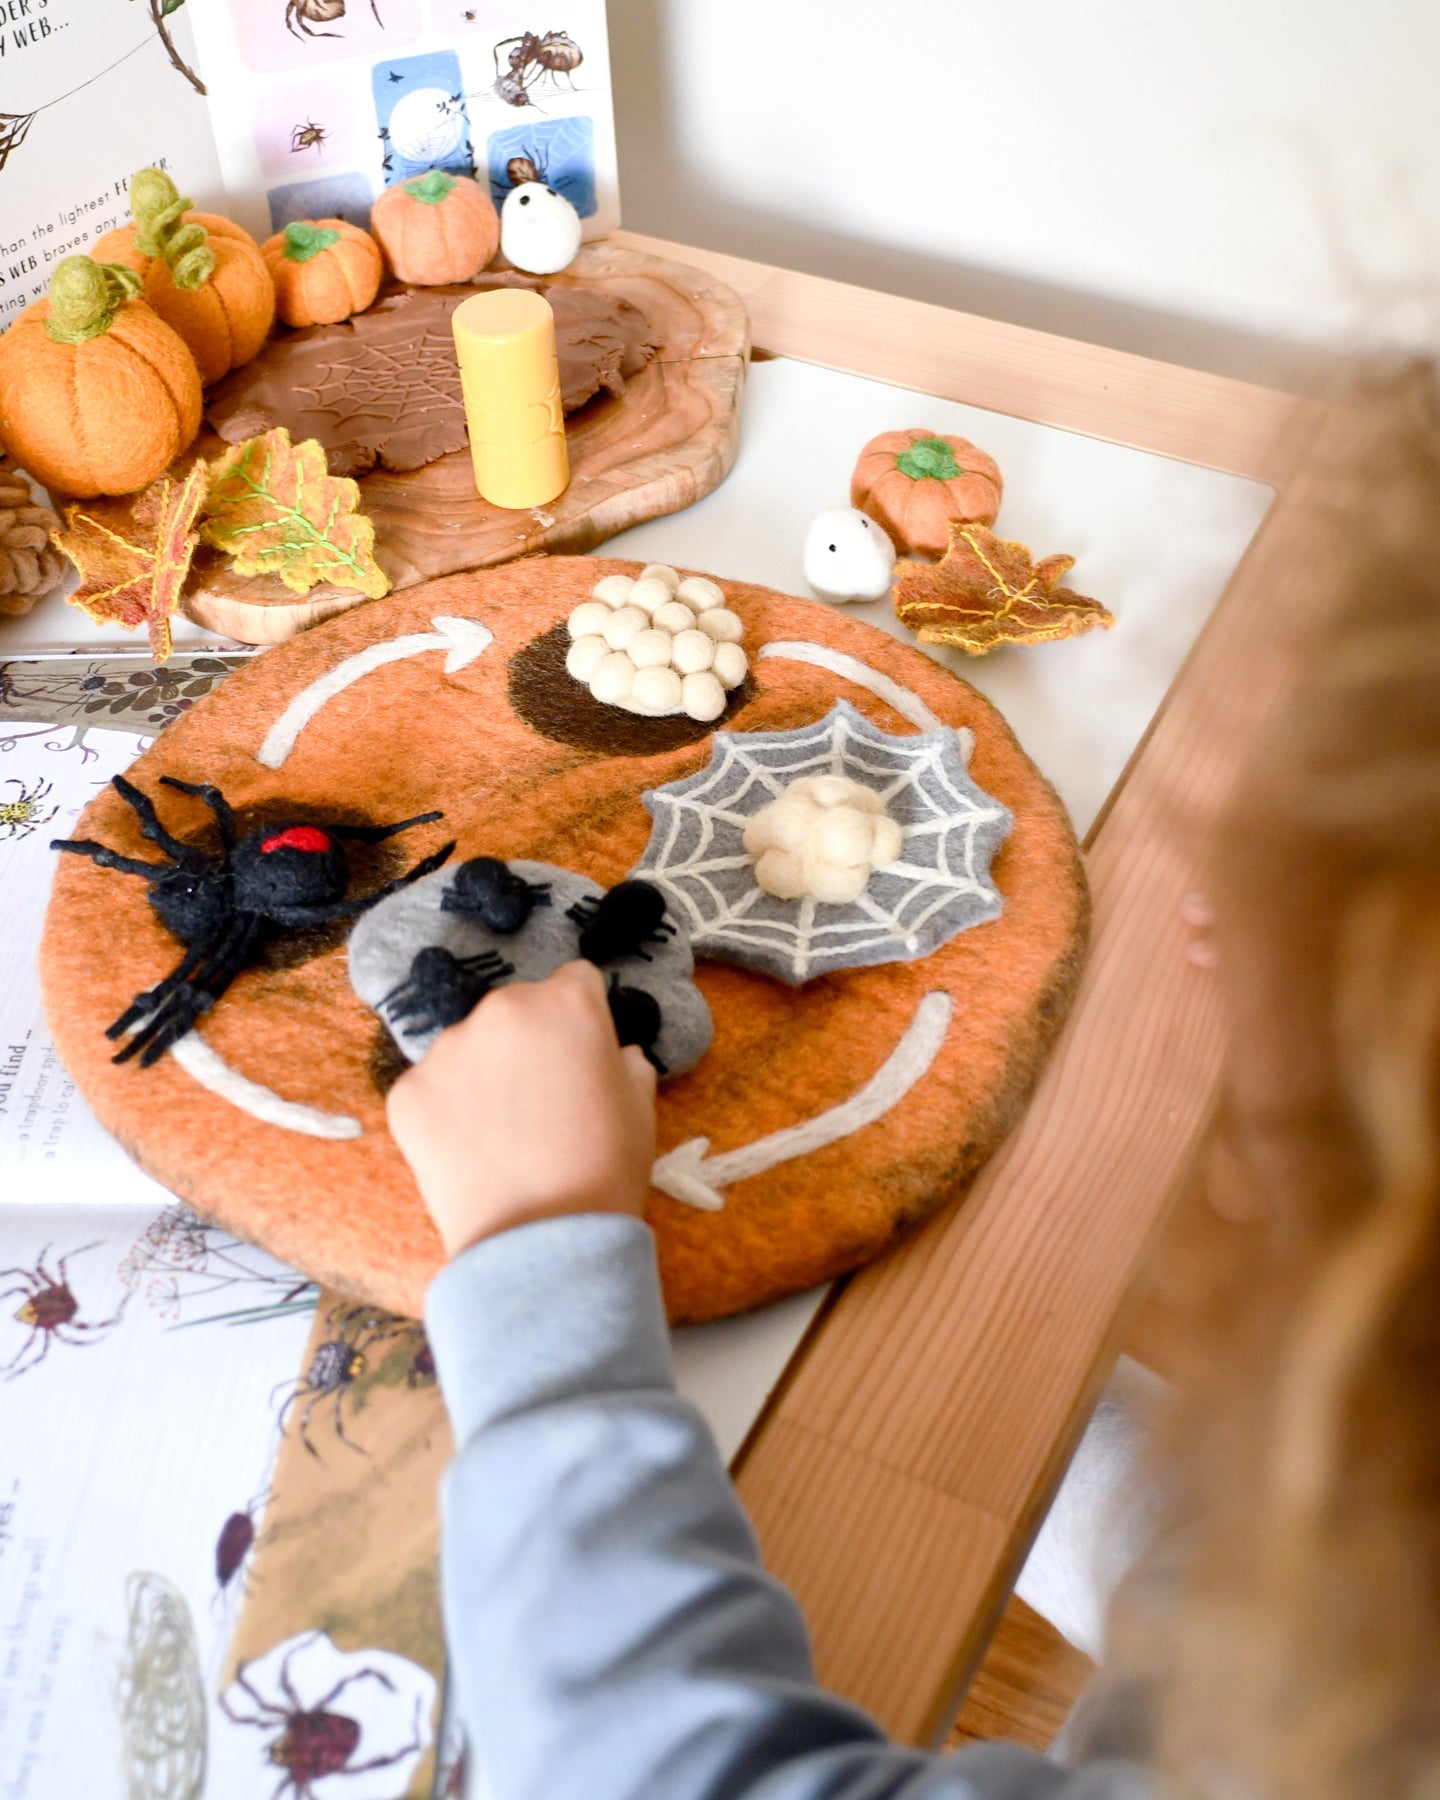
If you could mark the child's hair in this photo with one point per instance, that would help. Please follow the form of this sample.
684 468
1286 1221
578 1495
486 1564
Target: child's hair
1300 1641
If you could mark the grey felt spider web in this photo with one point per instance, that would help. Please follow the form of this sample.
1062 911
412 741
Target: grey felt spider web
941 884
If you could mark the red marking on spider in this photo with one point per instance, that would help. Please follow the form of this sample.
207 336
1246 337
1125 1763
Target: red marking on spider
297 837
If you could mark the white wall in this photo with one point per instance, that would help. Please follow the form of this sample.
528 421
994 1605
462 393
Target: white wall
1244 185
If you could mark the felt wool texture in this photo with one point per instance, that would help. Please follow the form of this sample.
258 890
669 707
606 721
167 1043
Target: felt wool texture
323 270
102 417
408 738
552 702
385 941
201 1063
701 852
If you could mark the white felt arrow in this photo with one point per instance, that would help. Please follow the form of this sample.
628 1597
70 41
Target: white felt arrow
461 639
687 1174
908 704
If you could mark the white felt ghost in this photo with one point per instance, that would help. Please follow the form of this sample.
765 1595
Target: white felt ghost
848 557
539 229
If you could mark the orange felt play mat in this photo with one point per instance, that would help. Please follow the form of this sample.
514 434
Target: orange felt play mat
407 737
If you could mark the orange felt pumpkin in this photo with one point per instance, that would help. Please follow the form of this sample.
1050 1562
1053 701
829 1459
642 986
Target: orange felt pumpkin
323 270
97 394
914 483
437 228
204 275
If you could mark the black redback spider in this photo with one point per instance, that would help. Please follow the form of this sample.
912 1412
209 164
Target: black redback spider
279 877
49 1310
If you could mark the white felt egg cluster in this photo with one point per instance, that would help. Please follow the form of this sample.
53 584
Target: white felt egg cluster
822 840
658 644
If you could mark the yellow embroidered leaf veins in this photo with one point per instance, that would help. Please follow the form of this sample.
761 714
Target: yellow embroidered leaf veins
274 506
134 554
988 590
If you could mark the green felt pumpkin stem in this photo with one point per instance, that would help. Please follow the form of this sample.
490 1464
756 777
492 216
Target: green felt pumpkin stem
431 188
929 457
84 296
158 209
302 241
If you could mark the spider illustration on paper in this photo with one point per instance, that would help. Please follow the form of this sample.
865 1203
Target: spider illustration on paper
531 57
308 136
338 1363
50 1311
22 815
302 16
329 1713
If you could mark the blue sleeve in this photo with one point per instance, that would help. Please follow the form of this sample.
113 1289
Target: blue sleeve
612 1634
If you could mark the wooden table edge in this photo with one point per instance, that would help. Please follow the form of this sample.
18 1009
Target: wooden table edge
894 1492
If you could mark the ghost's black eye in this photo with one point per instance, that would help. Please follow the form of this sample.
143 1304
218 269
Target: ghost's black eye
524 199
832 546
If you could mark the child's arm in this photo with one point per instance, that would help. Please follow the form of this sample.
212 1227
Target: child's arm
612 1634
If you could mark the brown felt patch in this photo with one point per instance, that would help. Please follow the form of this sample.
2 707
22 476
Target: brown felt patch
552 702
406 738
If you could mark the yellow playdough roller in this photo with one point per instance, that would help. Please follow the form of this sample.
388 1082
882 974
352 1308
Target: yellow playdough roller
510 378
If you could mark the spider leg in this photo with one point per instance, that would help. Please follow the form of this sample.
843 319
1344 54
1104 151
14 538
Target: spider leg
584 909
296 1389
376 834
215 800
10 1371
346 1681
151 828
384 1762
187 1000
301 1430
107 858
269 1715
143 1005
65 1259
287 1687
359 1449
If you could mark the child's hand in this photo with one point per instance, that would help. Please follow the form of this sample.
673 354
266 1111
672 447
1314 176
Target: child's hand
528 1109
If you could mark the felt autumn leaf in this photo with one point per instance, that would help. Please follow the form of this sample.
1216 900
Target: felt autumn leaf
134 554
988 590
273 505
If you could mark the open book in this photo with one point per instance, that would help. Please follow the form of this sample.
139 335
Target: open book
273 110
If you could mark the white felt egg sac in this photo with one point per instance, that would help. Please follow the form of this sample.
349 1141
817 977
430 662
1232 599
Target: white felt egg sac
848 557
539 229
822 839
658 645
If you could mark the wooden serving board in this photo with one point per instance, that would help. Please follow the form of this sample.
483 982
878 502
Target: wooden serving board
668 440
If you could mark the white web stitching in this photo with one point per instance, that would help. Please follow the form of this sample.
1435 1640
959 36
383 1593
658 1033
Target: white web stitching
910 771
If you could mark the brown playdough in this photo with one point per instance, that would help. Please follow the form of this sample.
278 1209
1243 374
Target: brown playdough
408 737
384 387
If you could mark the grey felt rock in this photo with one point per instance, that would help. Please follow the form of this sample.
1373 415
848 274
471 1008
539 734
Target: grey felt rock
941 884
384 943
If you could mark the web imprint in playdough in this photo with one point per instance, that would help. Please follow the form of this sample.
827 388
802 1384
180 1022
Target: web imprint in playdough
940 885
